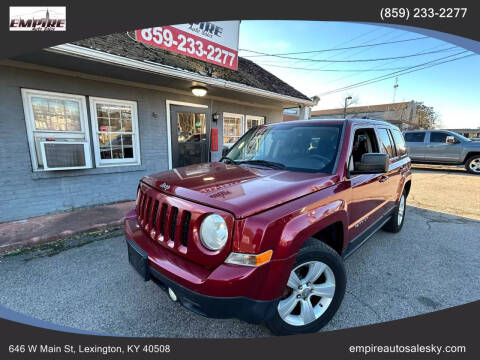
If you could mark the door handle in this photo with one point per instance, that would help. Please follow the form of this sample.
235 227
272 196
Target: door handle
383 178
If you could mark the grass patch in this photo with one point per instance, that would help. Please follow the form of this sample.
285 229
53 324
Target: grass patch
58 246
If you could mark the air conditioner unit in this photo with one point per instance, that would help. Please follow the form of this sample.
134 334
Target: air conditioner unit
65 155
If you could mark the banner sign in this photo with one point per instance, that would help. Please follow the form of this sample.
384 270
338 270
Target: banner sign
213 42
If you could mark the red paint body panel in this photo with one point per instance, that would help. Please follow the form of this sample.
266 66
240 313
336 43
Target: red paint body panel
264 209
226 280
240 190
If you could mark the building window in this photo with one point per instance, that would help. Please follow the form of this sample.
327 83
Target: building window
115 132
252 121
57 130
232 128
235 125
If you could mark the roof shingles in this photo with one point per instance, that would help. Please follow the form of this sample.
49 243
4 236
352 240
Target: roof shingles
248 73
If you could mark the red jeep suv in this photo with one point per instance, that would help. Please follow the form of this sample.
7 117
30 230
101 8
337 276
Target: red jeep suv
262 234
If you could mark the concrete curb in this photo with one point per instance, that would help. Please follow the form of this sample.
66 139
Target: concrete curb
44 229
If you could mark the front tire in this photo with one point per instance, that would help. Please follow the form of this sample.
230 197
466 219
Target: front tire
473 165
314 291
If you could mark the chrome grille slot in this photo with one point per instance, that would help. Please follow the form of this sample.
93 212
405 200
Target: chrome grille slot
173 221
137 199
146 215
140 205
187 215
154 216
163 217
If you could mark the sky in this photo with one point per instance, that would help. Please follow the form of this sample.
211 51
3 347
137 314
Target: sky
452 89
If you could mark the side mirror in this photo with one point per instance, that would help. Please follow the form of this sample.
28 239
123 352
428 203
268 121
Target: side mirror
451 140
225 151
372 163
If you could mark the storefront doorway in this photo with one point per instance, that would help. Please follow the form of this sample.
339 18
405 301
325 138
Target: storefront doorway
189 135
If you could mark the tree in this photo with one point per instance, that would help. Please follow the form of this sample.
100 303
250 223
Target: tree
427 117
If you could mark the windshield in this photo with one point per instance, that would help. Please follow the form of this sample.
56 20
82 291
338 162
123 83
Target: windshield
309 148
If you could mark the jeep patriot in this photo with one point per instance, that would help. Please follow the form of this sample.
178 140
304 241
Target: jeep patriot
261 235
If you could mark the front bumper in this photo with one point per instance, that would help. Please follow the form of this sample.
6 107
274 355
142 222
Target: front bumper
247 309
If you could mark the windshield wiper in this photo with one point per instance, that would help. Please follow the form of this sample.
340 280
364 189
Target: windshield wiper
270 164
228 159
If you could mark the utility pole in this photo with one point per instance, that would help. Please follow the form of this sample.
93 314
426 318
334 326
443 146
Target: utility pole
395 89
345 107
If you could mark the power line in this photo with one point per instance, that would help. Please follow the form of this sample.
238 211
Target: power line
393 74
375 67
369 41
366 60
399 73
260 54
293 62
375 30
334 70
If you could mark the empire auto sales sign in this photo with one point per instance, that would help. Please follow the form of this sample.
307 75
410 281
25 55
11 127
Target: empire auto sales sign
213 42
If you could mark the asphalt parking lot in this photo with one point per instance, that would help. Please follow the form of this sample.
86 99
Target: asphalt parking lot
448 189
430 265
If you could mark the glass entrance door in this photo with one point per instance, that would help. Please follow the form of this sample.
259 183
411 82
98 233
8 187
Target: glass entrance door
189 129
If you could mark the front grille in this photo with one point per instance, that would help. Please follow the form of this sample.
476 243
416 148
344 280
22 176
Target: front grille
160 219
173 223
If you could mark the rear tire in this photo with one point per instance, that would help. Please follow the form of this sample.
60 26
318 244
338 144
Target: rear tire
473 164
313 293
395 223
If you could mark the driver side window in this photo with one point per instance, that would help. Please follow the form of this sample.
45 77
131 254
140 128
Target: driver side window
438 137
364 142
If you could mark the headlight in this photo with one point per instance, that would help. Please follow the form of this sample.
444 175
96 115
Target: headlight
213 232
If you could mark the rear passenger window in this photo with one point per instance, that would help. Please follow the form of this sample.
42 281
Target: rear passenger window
386 145
415 137
438 137
399 142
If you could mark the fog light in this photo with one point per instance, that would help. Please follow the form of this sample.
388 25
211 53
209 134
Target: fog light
172 294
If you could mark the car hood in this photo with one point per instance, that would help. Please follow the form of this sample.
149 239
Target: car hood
473 145
241 190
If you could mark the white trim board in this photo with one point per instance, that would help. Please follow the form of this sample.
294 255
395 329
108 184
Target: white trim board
84 52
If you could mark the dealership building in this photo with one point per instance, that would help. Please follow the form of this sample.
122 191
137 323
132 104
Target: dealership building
81 123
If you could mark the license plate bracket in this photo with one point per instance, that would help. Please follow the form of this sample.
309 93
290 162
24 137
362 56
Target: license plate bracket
138 259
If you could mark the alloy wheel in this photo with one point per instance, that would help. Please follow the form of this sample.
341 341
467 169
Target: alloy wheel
475 165
310 290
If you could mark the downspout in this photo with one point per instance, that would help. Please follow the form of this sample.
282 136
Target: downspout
305 112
